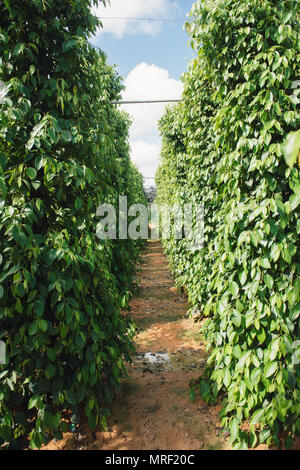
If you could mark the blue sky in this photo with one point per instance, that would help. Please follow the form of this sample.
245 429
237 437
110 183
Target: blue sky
151 57
167 49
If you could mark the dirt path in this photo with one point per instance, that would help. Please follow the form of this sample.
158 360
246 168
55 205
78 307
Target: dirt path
153 410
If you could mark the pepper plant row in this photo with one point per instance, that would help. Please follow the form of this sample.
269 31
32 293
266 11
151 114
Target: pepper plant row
63 151
223 147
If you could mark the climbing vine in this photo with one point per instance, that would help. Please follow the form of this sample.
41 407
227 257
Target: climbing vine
232 145
63 152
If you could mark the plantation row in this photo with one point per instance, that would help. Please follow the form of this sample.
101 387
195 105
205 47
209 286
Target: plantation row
222 147
63 151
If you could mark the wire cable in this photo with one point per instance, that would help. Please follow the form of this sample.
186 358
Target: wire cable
145 101
142 19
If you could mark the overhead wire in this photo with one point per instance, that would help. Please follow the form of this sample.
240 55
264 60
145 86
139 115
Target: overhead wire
171 20
146 101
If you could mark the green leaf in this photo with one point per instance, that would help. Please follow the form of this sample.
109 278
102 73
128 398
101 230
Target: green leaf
33 328
255 376
293 296
52 134
51 354
33 401
270 369
264 435
66 136
69 44
39 163
5 433
268 281
39 307
265 263
295 313
257 416
291 148
234 428
227 378
261 336
241 363
43 325
234 288
243 277
31 173
78 203
3 188
192 394
71 398
269 99
275 252
288 442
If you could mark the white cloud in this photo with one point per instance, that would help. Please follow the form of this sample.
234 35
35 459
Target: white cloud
146 157
148 82
134 9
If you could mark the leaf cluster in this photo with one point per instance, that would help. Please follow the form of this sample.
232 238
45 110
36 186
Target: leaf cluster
223 148
63 151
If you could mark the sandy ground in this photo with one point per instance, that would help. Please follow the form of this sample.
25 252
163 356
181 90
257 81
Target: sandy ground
153 410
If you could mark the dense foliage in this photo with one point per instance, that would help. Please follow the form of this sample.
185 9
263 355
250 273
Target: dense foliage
223 147
63 151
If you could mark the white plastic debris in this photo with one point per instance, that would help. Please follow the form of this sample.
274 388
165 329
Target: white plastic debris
158 358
